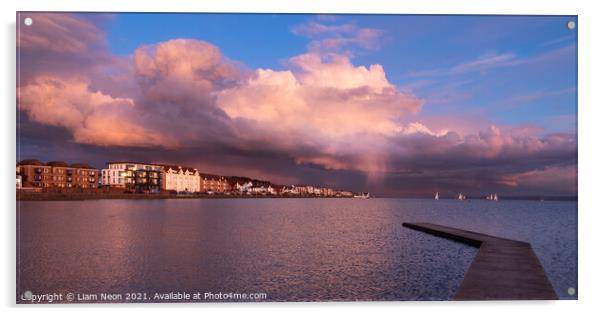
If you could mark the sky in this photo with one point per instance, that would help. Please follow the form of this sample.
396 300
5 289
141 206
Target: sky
398 105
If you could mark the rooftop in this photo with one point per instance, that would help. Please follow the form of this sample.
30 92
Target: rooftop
189 169
135 162
30 162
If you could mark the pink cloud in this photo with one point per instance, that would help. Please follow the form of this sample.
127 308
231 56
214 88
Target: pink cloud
92 116
60 45
60 33
326 103
562 177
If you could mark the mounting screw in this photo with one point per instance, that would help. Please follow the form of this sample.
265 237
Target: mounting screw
571 291
27 295
570 25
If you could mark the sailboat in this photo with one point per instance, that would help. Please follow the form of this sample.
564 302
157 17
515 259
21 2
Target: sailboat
362 196
461 197
492 197
436 195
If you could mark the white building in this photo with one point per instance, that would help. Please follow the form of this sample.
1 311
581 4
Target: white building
244 187
310 189
290 190
179 179
132 175
259 190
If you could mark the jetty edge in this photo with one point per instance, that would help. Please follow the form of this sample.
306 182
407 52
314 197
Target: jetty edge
503 269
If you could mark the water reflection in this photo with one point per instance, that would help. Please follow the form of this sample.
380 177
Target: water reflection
291 249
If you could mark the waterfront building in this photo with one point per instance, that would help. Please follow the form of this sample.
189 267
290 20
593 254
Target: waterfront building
345 194
278 189
292 190
19 182
242 188
260 190
214 184
57 174
302 189
310 189
133 176
180 179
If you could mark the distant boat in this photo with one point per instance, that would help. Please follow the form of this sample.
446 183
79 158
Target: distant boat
492 197
461 197
362 196
436 195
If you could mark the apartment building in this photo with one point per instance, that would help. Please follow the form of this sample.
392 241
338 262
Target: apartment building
57 174
242 188
214 184
180 179
133 176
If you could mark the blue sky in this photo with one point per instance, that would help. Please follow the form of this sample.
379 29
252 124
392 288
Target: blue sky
537 87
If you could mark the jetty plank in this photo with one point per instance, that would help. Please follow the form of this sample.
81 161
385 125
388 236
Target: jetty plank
503 269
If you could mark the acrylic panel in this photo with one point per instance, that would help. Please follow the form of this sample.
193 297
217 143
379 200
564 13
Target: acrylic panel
204 157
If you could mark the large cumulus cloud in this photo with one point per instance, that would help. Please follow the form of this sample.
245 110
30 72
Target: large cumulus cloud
92 116
322 111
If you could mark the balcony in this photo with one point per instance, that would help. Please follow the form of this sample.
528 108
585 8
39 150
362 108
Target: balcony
141 174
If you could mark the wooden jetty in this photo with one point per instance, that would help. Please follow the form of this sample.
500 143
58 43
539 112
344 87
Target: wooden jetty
503 269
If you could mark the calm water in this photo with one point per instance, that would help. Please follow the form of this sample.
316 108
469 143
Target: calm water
289 249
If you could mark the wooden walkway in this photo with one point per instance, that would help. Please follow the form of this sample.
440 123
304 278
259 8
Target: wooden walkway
503 269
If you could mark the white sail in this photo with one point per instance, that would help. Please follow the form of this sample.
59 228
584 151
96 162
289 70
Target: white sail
495 197
362 195
436 195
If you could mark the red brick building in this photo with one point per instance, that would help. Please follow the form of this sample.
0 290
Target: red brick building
213 183
57 174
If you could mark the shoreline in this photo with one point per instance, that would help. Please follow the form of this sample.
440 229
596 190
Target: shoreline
56 196
82 196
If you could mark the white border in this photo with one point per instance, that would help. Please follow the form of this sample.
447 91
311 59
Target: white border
590 136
